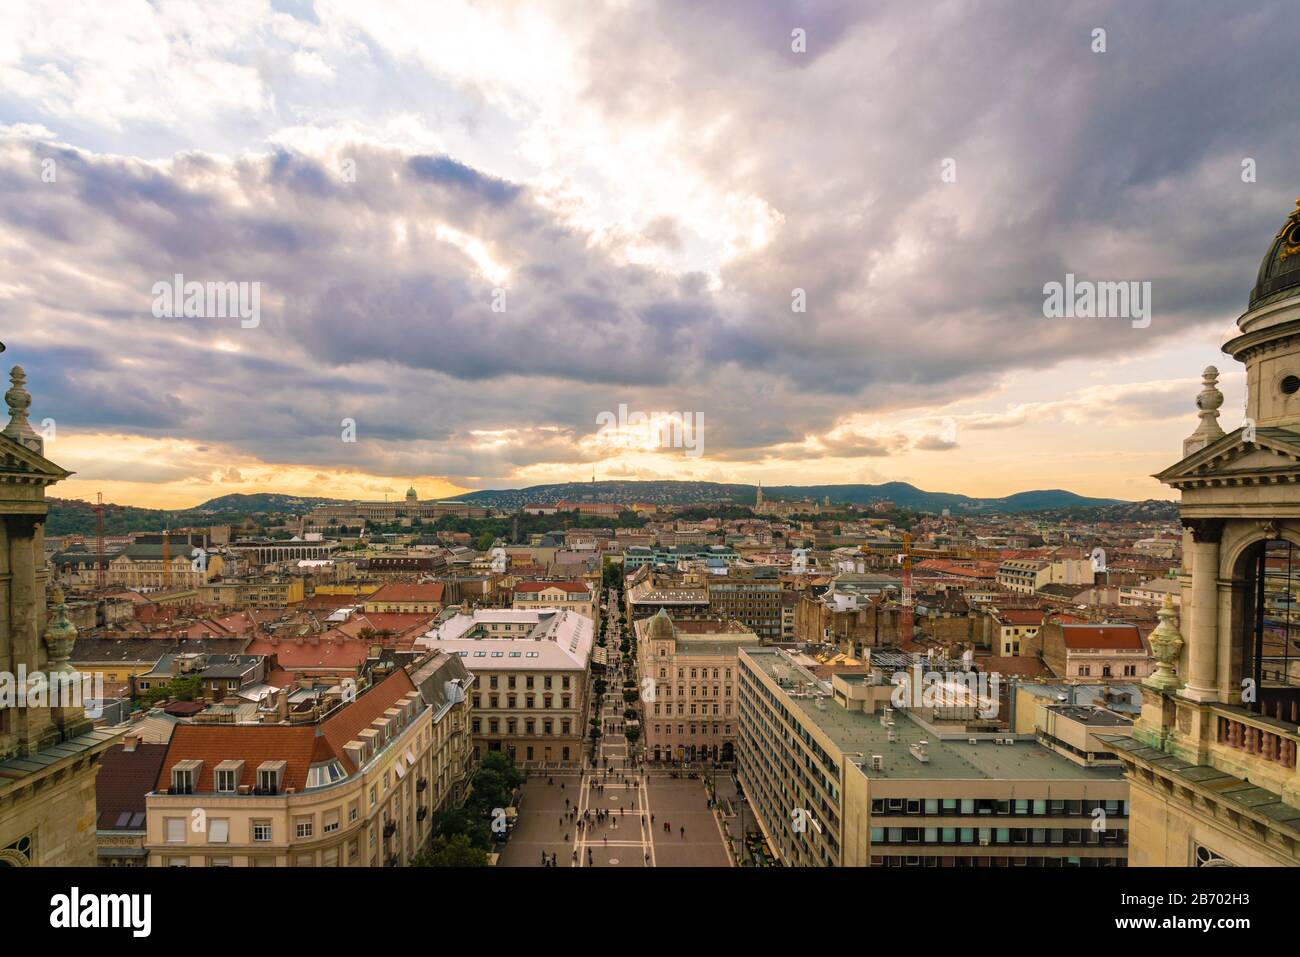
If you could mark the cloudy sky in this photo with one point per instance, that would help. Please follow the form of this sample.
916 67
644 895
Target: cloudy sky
478 226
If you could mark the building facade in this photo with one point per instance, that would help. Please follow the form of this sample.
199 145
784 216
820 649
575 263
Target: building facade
833 782
691 665
531 671
355 790
1212 760
49 752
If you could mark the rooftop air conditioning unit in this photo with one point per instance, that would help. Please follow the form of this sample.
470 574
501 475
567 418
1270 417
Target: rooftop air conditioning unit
877 762
972 740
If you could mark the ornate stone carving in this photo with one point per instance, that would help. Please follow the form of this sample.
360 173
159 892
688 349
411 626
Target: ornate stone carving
19 401
1207 402
60 633
1205 530
1165 642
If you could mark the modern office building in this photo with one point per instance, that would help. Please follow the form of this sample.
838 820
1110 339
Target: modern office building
837 777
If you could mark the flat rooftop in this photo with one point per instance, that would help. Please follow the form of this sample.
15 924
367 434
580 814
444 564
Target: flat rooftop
857 731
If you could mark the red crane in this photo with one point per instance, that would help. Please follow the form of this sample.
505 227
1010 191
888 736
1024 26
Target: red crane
99 540
905 620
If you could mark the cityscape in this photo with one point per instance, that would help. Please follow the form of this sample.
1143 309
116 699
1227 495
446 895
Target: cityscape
714 437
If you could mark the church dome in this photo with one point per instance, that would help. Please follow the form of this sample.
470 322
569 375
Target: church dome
1279 273
411 494
661 626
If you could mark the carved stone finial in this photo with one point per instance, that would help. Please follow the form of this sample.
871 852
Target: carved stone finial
1208 402
1165 642
19 401
60 633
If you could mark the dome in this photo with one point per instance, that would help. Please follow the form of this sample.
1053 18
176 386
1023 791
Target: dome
410 494
661 626
1279 273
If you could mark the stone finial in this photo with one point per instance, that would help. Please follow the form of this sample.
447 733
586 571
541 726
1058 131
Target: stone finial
60 633
1165 643
19 401
1208 402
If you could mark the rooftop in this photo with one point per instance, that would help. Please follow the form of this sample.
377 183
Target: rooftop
857 732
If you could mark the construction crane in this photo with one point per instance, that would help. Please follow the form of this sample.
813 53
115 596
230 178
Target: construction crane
99 539
167 556
905 622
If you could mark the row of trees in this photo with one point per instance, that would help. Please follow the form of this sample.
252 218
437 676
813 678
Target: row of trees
462 836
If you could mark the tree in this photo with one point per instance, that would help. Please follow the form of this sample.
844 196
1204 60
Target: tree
463 822
500 762
183 688
489 790
484 541
456 851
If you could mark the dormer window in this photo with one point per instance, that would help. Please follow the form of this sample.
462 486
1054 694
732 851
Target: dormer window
226 776
185 776
270 777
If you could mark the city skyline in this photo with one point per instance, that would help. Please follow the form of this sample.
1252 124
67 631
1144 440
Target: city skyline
474 234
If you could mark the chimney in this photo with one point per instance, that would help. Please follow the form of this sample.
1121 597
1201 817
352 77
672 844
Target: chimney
130 742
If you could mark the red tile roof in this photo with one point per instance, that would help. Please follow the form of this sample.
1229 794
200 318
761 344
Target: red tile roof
1117 637
252 744
356 717
298 745
327 652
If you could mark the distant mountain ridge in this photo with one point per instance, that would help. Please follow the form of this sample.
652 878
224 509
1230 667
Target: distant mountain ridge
901 494
665 492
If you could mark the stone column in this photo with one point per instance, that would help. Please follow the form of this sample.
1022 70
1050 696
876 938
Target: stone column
1202 677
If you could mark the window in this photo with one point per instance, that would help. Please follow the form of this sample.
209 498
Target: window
303 827
261 831
218 830
175 830
330 823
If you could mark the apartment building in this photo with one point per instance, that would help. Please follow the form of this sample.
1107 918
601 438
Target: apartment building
531 672
691 665
1151 593
1027 576
355 789
754 601
565 595
1014 627
407 598
833 782
260 591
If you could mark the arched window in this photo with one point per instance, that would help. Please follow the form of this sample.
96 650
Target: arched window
1271 651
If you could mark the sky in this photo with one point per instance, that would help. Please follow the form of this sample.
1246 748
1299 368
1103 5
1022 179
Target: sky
820 233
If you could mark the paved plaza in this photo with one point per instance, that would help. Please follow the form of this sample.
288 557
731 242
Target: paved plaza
623 812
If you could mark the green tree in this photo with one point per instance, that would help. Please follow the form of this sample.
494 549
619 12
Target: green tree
457 851
463 822
183 688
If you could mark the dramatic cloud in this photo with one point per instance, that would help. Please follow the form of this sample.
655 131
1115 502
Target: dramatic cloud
476 227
